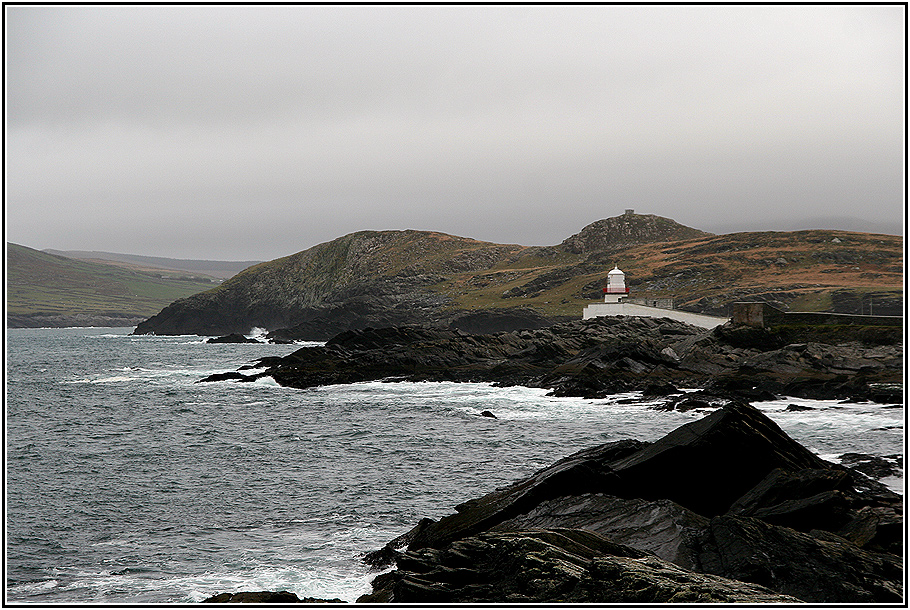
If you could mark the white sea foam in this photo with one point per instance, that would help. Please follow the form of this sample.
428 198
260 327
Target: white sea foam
114 379
322 582
32 588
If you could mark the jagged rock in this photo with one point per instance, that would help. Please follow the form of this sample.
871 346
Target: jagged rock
872 465
232 338
659 389
877 528
387 555
683 466
661 527
813 498
551 566
487 414
229 376
724 495
813 569
579 473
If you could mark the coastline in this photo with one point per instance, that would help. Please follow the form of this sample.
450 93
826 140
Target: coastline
813 521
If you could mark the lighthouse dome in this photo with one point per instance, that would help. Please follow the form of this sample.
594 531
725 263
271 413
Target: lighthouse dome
616 271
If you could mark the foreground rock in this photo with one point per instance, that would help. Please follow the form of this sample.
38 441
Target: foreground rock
266 597
547 566
729 496
601 356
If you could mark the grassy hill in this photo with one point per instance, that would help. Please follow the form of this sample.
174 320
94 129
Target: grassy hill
819 270
168 267
375 278
47 290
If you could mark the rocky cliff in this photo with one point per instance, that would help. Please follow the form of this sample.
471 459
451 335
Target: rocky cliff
373 279
362 279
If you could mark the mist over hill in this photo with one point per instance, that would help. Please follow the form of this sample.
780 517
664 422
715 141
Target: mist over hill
381 278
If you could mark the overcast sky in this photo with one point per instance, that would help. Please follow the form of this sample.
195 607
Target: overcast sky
250 132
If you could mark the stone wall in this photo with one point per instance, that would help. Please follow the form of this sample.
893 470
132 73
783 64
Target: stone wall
632 309
762 315
663 303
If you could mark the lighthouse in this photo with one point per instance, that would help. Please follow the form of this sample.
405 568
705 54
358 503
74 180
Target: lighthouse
616 289
616 303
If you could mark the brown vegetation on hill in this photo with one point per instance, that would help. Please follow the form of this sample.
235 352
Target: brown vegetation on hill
376 278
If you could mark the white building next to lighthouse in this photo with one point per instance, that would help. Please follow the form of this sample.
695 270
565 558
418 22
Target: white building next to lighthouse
614 304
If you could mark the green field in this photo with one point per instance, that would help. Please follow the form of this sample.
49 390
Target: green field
40 284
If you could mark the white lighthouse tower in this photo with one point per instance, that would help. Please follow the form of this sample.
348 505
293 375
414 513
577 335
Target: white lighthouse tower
616 289
615 303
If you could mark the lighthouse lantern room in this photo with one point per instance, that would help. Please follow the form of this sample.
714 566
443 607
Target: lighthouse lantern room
616 288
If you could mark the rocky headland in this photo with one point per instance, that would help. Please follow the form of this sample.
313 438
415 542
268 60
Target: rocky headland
393 278
601 356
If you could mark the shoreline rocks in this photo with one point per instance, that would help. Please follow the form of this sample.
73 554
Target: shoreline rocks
266 597
232 338
601 356
552 566
724 509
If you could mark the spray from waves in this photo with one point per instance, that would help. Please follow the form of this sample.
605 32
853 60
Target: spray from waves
257 333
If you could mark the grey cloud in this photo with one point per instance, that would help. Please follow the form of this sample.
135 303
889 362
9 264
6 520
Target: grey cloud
514 124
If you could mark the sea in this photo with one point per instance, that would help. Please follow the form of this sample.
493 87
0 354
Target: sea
127 482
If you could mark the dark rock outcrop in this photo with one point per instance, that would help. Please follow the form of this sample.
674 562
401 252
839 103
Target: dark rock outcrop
820 569
266 597
872 465
552 566
229 376
232 338
729 496
661 527
682 467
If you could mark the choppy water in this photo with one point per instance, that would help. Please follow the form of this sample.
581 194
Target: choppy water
127 482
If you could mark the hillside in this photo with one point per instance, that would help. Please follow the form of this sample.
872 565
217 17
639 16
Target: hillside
381 278
48 290
176 267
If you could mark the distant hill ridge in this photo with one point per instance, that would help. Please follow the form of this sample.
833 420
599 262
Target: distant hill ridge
382 278
218 269
46 290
